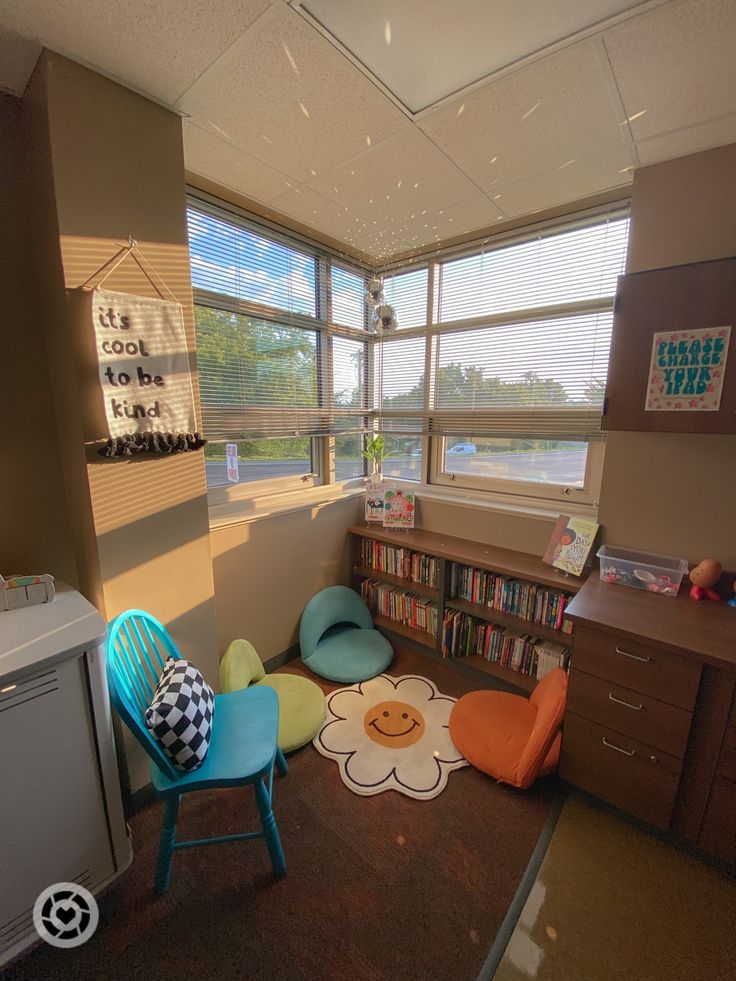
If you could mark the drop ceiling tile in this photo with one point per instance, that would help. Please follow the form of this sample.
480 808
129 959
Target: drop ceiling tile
159 48
379 244
692 139
287 96
675 65
215 158
532 120
444 223
401 176
18 58
587 176
310 208
424 50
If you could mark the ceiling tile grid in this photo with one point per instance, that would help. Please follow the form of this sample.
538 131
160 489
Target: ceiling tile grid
676 65
159 47
288 97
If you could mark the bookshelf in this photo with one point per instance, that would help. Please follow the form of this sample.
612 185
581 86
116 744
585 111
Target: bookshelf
415 570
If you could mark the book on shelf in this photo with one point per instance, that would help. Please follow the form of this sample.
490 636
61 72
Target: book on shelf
401 562
466 636
413 611
527 600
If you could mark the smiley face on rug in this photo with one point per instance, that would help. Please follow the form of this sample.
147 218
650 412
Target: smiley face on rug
394 724
391 734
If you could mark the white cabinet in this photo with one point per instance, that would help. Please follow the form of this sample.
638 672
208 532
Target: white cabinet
61 816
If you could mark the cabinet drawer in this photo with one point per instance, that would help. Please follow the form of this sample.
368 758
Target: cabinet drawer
631 713
628 774
668 677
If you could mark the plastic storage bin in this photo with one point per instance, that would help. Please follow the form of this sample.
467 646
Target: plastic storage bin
642 570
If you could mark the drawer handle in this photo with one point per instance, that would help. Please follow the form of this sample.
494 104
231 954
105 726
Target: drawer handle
634 657
626 752
620 701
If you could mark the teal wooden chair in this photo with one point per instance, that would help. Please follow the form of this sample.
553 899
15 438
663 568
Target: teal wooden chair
243 747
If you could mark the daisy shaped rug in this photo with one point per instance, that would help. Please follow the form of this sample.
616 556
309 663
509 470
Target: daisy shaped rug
390 734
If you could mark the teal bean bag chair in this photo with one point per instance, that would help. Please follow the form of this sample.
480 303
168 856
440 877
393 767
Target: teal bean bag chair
301 702
338 639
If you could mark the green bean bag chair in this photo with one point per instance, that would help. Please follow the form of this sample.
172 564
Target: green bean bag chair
301 702
338 640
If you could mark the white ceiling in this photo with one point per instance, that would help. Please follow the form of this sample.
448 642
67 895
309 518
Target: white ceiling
396 124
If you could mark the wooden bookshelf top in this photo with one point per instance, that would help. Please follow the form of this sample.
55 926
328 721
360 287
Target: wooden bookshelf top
520 565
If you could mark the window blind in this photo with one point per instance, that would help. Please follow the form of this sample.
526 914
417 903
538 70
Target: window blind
270 364
519 339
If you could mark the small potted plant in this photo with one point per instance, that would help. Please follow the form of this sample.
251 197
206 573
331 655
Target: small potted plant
375 453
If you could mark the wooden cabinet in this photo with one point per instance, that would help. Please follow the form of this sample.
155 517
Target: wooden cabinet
649 725
699 295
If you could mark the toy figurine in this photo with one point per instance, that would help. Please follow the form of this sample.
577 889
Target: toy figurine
732 601
703 578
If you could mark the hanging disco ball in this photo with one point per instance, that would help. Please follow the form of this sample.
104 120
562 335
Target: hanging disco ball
374 292
384 318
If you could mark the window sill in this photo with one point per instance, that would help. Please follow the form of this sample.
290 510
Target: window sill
269 505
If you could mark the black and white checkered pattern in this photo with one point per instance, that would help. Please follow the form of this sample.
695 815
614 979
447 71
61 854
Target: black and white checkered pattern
180 715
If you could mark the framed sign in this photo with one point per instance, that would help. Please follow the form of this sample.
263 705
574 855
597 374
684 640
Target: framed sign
686 370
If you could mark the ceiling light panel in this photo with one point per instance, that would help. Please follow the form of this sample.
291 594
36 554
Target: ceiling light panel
159 48
425 50
400 177
532 120
676 66
288 97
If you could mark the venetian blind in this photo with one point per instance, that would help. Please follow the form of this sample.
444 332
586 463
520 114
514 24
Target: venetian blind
270 365
519 339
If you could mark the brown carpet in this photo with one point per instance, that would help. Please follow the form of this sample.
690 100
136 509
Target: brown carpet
381 888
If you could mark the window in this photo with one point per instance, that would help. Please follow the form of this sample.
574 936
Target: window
278 379
492 383
508 377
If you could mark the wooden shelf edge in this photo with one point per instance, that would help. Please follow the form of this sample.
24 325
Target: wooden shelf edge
418 636
523 681
518 565
407 585
509 620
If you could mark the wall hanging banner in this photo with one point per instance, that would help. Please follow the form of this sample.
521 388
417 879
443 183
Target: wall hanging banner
686 370
144 370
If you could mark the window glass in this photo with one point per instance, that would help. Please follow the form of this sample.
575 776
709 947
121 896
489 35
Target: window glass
349 460
259 459
542 461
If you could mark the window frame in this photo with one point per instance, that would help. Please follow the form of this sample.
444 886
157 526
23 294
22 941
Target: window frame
322 472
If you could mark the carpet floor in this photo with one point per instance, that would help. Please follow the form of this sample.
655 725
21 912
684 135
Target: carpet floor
381 888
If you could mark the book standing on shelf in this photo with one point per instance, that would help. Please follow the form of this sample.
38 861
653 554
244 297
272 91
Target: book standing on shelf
526 600
413 611
400 562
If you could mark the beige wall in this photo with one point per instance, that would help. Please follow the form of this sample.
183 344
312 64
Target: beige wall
266 570
112 166
34 531
674 493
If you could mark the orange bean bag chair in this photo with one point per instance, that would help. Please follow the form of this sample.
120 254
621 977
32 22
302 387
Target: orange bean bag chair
509 737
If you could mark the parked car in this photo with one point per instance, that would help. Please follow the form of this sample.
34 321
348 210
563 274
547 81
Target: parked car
461 449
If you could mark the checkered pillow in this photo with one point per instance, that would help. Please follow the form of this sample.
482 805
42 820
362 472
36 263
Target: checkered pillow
180 715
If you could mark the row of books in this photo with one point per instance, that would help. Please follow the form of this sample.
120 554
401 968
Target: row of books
464 636
527 600
413 611
399 562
